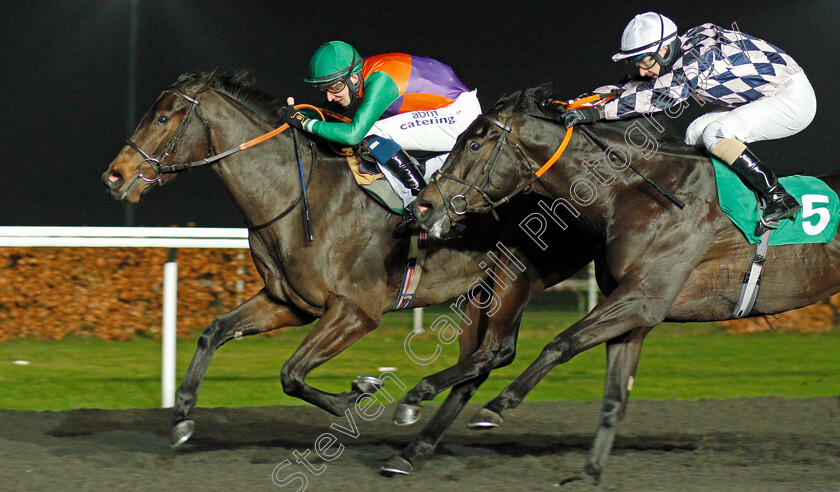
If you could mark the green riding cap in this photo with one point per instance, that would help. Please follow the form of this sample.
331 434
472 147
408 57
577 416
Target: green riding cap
332 61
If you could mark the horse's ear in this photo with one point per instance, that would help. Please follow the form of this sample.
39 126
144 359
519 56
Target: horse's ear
209 80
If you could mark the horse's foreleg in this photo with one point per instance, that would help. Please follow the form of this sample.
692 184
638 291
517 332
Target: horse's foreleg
342 323
473 328
423 446
622 360
256 315
635 305
488 341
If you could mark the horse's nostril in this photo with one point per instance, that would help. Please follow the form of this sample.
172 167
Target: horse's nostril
422 208
112 179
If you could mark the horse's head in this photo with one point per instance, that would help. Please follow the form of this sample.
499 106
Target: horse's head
172 131
489 163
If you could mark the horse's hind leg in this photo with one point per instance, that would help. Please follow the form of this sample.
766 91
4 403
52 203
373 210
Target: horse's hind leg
622 360
256 315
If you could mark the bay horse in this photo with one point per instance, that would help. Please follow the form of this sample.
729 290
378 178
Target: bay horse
654 261
353 270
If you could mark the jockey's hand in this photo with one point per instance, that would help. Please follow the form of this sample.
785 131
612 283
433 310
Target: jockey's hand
585 115
293 117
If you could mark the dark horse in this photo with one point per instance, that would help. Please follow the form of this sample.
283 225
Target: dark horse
350 274
654 261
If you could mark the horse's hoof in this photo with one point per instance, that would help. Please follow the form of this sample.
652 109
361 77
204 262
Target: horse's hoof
572 479
366 384
591 474
397 465
406 414
485 419
181 432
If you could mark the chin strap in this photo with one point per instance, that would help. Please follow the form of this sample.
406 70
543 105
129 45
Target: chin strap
355 89
674 52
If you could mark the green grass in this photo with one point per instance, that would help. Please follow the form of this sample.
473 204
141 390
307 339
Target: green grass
679 361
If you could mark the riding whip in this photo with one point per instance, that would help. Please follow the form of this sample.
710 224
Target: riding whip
595 97
306 213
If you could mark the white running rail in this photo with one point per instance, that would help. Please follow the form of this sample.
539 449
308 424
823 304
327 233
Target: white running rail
172 238
136 237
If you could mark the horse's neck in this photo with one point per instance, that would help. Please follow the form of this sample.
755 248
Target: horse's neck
263 180
595 187
583 182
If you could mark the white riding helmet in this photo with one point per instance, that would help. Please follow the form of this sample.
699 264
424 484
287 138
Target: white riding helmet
645 34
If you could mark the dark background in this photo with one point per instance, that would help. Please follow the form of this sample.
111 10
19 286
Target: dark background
65 72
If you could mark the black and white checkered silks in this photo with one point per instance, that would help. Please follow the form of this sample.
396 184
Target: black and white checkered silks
729 69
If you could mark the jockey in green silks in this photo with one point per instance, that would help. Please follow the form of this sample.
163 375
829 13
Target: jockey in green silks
398 102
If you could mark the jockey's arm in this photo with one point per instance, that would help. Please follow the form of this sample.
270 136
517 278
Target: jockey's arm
379 92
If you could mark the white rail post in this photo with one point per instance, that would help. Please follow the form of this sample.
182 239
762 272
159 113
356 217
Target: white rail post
418 320
136 237
168 338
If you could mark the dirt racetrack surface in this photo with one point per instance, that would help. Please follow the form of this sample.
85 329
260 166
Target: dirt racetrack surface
761 444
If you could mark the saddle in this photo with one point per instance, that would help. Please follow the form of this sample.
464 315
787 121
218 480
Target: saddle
370 179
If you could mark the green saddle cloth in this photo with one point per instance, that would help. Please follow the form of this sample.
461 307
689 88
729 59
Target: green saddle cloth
815 223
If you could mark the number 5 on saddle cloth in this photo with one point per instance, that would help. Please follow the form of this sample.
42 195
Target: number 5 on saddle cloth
816 223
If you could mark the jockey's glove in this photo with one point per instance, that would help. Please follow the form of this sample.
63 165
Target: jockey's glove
584 115
293 118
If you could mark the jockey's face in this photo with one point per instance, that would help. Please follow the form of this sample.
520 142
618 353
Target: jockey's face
651 72
342 96
649 67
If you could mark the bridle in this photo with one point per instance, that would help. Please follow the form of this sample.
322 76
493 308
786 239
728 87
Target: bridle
171 146
452 204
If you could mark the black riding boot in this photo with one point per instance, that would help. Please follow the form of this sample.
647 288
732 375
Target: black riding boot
778 203
407 170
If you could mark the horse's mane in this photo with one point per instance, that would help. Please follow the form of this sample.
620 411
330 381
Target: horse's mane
530 101
240 87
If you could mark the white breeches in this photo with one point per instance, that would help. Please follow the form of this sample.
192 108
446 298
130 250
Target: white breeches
787 112
434 130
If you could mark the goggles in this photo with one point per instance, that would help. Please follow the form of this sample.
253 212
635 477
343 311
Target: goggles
333 86
646 62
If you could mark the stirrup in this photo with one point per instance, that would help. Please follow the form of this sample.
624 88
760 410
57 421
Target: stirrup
765 225
407 224
773 222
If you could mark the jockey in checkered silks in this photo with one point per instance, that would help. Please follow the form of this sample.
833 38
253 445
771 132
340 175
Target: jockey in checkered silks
763 92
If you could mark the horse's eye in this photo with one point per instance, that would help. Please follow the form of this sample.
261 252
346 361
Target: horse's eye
474 146
162 119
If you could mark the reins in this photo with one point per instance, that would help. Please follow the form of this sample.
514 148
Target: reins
491 204
186 166
505 127
600 143
170 147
